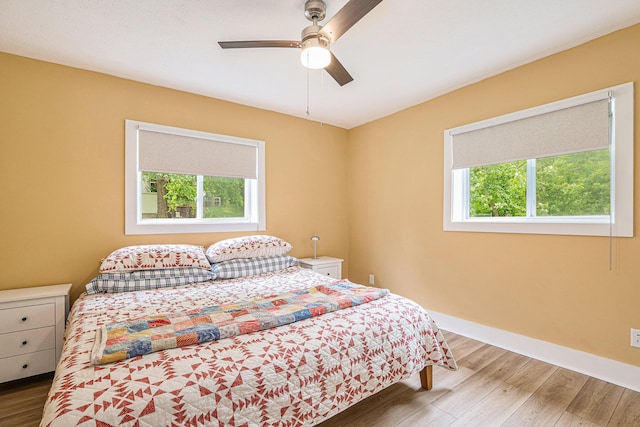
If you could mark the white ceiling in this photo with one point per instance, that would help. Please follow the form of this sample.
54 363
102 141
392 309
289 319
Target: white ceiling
402 53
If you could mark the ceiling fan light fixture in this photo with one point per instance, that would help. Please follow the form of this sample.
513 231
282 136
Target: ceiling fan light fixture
315 53
315 39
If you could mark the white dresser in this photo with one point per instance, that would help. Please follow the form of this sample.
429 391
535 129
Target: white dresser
32 322
326 265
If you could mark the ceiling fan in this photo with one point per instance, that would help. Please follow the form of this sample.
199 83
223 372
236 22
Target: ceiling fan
316 39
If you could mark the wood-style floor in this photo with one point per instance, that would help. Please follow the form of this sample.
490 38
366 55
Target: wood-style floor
21 401
492 387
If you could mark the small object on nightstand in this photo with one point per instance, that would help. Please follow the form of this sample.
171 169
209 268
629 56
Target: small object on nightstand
32 324
315 241
326 265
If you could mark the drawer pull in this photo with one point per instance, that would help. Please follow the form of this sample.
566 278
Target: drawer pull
24 319
25 342
25 366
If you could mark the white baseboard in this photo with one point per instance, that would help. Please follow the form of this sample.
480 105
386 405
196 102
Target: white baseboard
614 372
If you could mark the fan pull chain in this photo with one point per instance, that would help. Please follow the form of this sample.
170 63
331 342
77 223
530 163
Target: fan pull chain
322 93
307 91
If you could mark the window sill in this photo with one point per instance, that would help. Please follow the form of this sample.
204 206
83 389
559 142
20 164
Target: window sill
577 227
161 227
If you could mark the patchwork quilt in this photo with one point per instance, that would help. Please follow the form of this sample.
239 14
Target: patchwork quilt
298 374
131 338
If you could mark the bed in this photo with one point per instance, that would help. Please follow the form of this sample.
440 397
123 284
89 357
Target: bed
298 374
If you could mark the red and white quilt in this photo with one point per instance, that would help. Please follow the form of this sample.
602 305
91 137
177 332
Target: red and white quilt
295 375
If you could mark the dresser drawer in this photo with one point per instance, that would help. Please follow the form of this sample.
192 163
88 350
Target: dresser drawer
27 317
26 365
329 270
29 341
32 324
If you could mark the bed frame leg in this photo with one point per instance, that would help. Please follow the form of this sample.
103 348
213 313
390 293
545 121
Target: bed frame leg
426 377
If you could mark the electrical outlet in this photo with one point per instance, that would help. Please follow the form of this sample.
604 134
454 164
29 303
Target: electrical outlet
635 337
372 281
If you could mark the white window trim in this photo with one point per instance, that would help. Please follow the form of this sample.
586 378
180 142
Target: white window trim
255 213
620 223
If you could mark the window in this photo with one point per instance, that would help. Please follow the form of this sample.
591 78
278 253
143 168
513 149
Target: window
561 168
186 181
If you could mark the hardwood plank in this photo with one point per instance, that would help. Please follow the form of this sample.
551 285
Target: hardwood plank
346 417
444 380
596 401
532 375
550 401
495 408
461 399
392 412
569 420
25 400
24 419
21 401
479 385
400 401
427 416
627 413
461 346
480 358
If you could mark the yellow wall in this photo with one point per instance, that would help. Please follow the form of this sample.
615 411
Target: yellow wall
555 288
62 169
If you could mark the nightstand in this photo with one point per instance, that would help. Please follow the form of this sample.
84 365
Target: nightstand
326 265
32 322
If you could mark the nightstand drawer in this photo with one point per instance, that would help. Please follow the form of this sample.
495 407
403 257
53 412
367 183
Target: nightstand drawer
27 317
325 265
30 341
26 365
32 324
331 271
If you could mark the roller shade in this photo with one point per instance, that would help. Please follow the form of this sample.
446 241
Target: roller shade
575 129
163 152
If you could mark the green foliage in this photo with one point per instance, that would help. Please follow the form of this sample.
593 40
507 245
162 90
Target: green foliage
224 212
231 193
573 184
498 190
181 191
569 185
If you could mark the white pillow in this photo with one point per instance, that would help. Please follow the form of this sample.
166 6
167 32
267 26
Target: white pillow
154 257
247 247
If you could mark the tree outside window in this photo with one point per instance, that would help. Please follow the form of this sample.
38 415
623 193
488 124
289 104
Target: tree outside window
175 196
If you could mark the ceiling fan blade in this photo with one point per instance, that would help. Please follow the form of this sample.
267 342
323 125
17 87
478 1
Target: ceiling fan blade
347 17
338 72
259 43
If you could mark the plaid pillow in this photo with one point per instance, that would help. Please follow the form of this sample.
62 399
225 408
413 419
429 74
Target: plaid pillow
242 267
141 280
